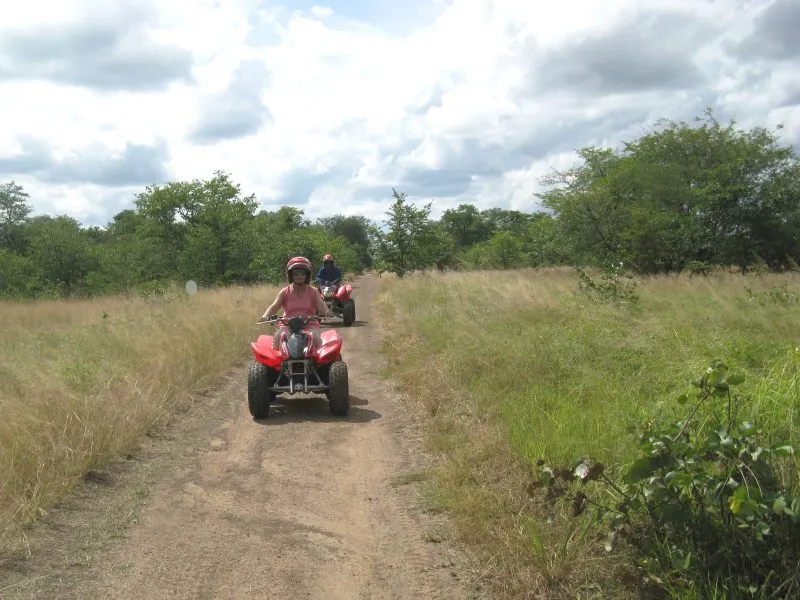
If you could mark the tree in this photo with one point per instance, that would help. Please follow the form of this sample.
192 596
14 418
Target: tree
19 276
203 257
542 243
437 247
405 246
708 193
61 251
725 181
289 218
196 222
356 230
501 219
502 251
14 211
466 225
586 215
206 230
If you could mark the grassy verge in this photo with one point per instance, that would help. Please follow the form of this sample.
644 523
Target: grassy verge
80 381
515 366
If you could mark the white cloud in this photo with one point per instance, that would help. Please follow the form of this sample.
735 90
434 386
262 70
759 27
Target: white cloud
321 11
472 104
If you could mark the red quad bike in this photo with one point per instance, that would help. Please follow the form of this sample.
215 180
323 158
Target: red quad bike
336 295
298 366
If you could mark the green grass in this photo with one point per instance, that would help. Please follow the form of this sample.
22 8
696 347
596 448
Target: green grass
409 478
523 366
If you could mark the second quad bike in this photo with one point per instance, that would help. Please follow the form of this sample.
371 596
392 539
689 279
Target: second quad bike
336 295
298 365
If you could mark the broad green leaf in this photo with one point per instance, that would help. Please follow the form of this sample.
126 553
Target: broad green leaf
681 562
779 506
763 528
736 379
747 429
644 467
746 508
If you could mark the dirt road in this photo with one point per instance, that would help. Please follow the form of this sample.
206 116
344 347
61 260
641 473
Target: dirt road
299 505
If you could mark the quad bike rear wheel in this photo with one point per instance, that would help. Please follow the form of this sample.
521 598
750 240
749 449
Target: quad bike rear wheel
348 313
259 397
338 389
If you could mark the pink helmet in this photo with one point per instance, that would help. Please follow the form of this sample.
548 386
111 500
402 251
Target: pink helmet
298 263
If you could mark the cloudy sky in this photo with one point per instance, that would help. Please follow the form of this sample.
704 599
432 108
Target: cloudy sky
326 105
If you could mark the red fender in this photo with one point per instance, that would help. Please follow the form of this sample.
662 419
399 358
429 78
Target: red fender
344 291
331 348
329 351
264 353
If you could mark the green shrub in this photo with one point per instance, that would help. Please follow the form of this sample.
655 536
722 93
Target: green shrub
612 285
704 506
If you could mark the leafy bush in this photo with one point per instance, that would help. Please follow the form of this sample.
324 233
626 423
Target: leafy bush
698 267
777 295
704 506
612 286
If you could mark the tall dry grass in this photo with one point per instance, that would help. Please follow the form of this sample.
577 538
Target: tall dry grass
81 380
513 366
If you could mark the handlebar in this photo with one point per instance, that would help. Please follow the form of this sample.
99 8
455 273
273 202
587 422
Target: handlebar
284 320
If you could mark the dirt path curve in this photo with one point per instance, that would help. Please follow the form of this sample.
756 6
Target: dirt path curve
299 505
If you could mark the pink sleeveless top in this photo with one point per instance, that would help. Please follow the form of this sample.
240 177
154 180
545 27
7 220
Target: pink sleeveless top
296 305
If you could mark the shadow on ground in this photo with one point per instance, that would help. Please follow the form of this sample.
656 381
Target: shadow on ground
340 325
314 409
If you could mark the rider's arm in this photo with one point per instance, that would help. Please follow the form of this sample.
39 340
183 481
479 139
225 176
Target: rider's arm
273 308
322 308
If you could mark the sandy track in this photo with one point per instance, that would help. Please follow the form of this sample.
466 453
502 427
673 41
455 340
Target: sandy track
299 505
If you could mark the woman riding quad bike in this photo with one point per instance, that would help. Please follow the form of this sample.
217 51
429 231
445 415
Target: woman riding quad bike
297 298
298 358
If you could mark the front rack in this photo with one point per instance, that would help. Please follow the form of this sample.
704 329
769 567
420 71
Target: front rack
299 375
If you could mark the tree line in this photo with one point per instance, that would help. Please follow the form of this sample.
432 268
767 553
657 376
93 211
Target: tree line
205 230
682 196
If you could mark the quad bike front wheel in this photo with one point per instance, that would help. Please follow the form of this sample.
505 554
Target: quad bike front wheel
348 313
338 389
259 397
